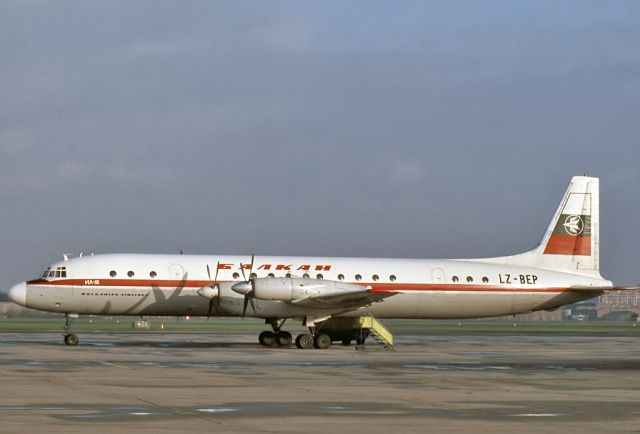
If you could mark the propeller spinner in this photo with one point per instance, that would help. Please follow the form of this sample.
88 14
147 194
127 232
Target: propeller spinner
246 288
212 292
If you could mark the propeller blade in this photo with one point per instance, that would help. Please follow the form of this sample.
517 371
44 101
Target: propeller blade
210 308
246 288
217 298
242 271
248 299
214 297
244 307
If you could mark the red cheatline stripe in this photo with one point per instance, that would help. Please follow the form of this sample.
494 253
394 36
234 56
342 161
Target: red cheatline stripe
568 245
375 287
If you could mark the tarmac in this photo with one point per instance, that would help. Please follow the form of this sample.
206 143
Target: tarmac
126 382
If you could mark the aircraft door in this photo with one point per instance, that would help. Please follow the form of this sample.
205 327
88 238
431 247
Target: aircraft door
176 272
428 301
437 276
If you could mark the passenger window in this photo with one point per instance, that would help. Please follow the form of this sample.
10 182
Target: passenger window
288 275
358 277
254 275
153 274
485 280
455 279
469 279
319 276
305 275
130 274
236 275
113 273
340 276
375 277
271 275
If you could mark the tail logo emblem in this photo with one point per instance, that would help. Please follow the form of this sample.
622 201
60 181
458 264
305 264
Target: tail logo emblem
573 225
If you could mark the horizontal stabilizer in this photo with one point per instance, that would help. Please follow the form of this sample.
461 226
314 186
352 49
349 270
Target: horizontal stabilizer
624 288
603 288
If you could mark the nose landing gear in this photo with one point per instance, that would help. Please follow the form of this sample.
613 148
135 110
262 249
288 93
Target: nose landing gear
69 338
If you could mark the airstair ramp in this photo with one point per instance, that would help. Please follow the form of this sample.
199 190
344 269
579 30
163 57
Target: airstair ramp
377 330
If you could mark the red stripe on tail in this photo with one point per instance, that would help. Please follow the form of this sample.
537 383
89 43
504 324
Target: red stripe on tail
568 245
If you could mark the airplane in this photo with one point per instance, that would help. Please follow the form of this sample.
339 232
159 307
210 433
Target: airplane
319 291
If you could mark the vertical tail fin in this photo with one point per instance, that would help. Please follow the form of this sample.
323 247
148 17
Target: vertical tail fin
571 242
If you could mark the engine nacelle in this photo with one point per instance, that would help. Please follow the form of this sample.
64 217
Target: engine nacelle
291 288
208 292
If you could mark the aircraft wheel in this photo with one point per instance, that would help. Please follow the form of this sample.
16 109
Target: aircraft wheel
71 339
283 339
322 341
304 341
267 338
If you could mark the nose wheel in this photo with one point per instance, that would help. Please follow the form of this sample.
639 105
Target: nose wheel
70 339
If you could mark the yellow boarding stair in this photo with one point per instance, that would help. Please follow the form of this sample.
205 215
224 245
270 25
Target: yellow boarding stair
377 330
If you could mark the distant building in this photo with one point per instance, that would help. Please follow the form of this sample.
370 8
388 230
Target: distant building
619 300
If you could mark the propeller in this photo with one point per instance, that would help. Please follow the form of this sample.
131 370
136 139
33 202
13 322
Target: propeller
212 292
246 288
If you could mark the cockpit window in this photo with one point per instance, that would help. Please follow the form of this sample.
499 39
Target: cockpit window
58 272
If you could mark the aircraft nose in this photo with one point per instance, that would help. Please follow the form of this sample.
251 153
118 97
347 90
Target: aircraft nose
18 294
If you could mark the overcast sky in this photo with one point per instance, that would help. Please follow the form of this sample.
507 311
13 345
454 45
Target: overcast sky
402 129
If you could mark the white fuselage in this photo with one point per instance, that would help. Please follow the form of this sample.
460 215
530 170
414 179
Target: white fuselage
145 284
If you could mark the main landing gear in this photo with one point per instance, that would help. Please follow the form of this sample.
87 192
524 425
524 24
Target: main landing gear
284 339
69 338
278 337
306 341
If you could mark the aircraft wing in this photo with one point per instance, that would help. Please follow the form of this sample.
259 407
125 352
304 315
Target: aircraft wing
328 295
348 301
